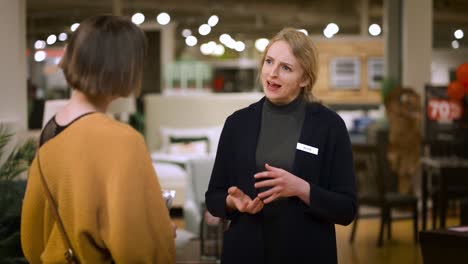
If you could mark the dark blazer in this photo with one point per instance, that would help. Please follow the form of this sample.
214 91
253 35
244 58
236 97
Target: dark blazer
308 233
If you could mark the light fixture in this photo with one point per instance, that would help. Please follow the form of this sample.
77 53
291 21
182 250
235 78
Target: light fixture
163 18
213 20
331 30
39 44
374 30
206 49
74 27
138 18
191 41
261 44
63 36
204 29
458 34
40 55
224 38
455 44
186 32
51 39
218 50
239 46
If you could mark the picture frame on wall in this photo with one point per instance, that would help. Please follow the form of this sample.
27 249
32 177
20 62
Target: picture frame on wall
345 73
375 71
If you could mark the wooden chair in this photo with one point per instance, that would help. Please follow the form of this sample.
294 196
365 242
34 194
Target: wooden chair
372 175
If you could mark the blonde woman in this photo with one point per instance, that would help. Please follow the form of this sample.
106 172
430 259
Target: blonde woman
283 173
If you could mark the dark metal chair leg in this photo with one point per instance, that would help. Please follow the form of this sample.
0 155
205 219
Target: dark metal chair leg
383 221
389 224
435 210
415 222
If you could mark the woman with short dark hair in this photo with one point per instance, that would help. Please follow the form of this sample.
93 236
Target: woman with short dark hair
96 169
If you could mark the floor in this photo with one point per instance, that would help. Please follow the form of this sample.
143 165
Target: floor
400 250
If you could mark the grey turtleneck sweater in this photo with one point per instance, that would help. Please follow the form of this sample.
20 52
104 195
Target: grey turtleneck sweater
279 133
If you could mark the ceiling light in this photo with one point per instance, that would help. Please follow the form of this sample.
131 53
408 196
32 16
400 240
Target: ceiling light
39 55
224 38
63 36
213 20
204 29
163 18
333 28
239 46
327 32
261 44
51 39
186 32
39 44
138 18
455 44
74 27
374 30
218 50
191 41
206 49
458 34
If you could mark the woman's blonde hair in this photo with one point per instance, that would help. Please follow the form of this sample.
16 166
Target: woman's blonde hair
305 52
105 57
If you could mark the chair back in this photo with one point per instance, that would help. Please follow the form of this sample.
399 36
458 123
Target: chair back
369 181
389 176
445 149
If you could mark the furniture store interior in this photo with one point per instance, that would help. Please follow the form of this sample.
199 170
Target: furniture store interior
395 72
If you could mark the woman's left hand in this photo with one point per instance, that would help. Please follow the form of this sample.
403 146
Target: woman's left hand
282 183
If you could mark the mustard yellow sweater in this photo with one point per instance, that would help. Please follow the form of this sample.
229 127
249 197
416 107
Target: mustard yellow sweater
100 173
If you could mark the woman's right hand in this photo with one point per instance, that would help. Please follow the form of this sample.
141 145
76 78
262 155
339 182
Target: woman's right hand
238 200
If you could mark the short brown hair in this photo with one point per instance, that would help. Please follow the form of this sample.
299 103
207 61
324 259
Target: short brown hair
105 57
305 52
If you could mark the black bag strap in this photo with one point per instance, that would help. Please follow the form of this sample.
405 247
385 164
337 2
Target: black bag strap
70 253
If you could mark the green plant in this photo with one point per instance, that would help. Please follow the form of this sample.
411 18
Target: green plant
11 195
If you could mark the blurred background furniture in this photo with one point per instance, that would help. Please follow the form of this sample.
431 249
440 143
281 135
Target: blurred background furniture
121 108
444 245
444 177
189 111
377 188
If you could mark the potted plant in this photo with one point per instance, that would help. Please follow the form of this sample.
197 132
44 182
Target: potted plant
11 195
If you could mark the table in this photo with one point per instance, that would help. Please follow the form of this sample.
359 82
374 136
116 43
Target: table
436 167
444 245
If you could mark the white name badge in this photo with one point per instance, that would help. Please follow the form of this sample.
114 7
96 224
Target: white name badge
306 148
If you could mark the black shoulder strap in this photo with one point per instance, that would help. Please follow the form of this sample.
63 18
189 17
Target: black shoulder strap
70 253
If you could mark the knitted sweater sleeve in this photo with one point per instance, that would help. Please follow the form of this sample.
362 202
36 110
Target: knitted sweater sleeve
135 222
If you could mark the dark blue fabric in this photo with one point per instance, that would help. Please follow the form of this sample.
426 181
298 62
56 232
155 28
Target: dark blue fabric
308 232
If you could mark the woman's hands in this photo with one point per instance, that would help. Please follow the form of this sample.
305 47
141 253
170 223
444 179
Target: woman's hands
238 200
282 183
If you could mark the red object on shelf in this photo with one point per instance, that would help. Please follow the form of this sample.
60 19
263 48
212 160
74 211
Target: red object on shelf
462 74
455 90
218 84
